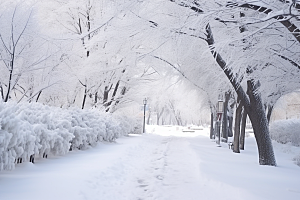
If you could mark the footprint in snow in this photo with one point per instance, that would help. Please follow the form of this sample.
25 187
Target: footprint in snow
160 177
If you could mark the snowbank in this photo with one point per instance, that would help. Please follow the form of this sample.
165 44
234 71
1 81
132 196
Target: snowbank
286 131
34 130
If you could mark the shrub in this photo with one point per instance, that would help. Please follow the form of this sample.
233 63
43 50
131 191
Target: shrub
34 129
286 131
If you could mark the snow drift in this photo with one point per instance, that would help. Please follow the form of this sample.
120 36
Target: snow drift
32 130
286 131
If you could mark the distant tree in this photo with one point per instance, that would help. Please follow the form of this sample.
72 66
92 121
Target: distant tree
23 54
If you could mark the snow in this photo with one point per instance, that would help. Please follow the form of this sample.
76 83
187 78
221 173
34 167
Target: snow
286 131
163 164
35 129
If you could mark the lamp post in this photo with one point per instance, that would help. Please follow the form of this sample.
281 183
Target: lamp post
219 117
144 124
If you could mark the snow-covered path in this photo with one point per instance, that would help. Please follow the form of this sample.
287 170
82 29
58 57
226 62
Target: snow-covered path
168 166
150 168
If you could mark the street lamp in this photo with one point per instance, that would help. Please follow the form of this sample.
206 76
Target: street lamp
145 103
219 117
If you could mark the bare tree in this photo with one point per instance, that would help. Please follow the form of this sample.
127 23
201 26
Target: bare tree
23 54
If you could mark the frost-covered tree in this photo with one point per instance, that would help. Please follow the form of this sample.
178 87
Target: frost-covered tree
102 63
252 102
265 22
23 54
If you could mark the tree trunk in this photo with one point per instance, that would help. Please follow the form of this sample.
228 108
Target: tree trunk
230 132
84 97
1 91
159 114
253 106
212 135
230 120
9 85
270 110
37 98
105 95
237 126
122 93
257 115
108 104
149 116
243 129
225 117
96 98
217 131
178 119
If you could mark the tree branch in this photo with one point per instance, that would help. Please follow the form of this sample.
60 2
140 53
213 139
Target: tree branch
281 18
233 80
182 74
191 6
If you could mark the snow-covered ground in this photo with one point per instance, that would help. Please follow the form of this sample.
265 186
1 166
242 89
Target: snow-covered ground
165 164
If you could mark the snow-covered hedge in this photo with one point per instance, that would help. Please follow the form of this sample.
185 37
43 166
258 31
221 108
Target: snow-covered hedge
286 131
38 130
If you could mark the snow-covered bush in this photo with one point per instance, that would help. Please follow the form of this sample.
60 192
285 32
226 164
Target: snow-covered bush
296 159
286 131
34 129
